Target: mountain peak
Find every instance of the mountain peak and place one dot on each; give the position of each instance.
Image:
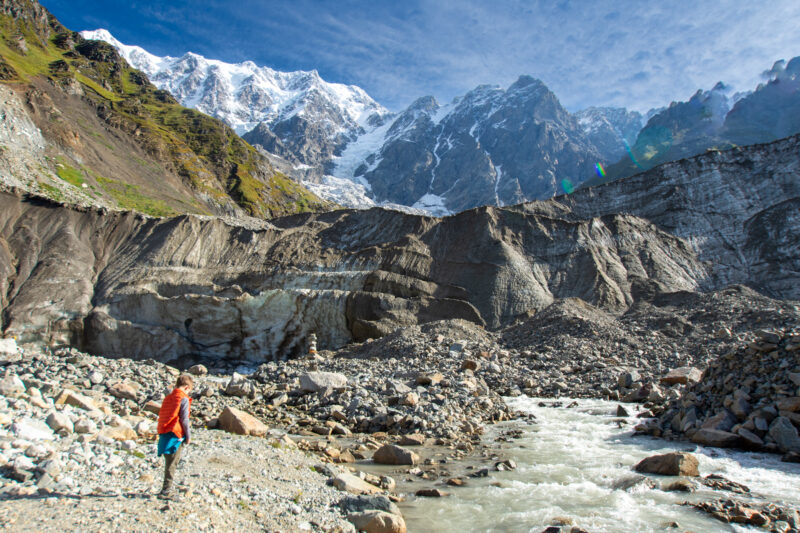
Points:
(526, 80)
(424, 103)
(246, 94)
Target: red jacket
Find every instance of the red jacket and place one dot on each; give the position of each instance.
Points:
(169, 414)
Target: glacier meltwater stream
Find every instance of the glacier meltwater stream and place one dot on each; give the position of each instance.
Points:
(574, 463)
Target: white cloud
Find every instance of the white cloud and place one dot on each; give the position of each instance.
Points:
(627, 53)
(633, 53)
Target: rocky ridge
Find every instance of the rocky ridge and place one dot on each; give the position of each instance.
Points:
(218, 288)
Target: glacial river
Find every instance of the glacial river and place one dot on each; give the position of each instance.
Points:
(568, 464)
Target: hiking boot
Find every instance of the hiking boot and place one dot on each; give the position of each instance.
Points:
(168, 496)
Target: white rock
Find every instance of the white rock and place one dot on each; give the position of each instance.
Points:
(85, 425)
(23, 463)
(31, 429)
(8, 347)
(59, 421)
(36, 451)
(317, 381)
(11, 386)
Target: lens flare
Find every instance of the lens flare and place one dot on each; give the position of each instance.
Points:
(630, 154)
(601, 172)
(567, 186)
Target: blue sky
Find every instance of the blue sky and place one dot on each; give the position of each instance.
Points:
(636, 54)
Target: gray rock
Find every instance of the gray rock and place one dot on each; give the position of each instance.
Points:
(59, 421)
(750, 440)
(722, 421)
(628, 378)
(390, 454)
(356, 504)
(239, 385)
(785, 434)
(716, 438)
(741, 408)
(319, 381)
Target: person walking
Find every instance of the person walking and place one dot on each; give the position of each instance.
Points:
(174, 430)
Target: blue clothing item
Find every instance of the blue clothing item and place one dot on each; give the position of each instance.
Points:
(168, 443)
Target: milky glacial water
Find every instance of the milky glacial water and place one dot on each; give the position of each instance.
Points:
(567, 465)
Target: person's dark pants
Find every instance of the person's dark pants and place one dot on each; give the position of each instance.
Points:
(170, 465)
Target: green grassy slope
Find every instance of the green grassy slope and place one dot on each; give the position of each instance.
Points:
(208, 157)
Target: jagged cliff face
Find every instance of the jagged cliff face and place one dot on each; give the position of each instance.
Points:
(123, 284)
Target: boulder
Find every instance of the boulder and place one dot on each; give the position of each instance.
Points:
(670, 464)
(198, 370)
(240, 386)
(716, 438)
(11, 385)
(70, 397)
(85, 425)
(390, 454)
(789, 404)
(621, 411)
(320, 381)
(431, 493)
(470, 364)
(415, 439)
(31, 429)
(354, 485)
(121, 432)
(426, 379)
(235, 421)
(8, 347)
(627, 379)
(410, 399)
(59, 421)
(152, 407)
(682, 376)
(722, 421)
(358, 504)
(749, 439)
(784, 434)
(123, 390)
(680, 485)
(377, 522)
(740, 407)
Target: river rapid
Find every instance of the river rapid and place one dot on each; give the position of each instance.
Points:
(573, 463)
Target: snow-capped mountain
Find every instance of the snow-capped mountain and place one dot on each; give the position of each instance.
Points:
(490, 147)
(309, 118)
(610, 129)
